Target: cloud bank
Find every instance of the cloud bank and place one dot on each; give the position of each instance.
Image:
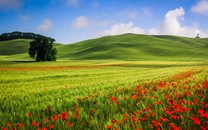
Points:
(81, 22)
(122, 28)
(201, 7)
(45, 26)
(172, 25)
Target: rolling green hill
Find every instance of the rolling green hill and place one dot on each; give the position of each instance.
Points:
(121, 47)
(12, 47)
(137, 47)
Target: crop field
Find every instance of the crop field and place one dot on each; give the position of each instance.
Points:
(103, 94)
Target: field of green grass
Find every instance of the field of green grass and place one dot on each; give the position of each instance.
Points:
(96, 94)
(128, 82)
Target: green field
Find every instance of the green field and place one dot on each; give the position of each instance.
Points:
(29, 87)
(114, 82)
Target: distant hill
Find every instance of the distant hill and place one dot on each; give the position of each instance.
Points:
(20, 35)
(123, 47)
(12, 47)
(17, 46)
(137, 47)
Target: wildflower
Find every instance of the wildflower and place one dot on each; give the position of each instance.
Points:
(78, 110)
(20, 125)
(113, 98)
(152, 114)
(64, 115)
(55, 117)
(34, 123)
(200, 112)
(110, 127)
(174, 117)
(3, 128)
(51, 127)
(69, 124)
(95, 102)
(29, 114)
(83, 123)
(9, 124)
(155, 123)
(114, 121)
(162, 119)
(195, 120)
(173, 127)
(186, 109)
(126, 119)
(76, 115)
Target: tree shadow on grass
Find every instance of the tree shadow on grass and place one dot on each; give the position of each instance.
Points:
(18, 61)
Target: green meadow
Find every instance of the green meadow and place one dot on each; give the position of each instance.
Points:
(116, 82)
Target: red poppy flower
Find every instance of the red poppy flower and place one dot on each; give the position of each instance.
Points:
(174, 117)
(110, 127)
(34, 123)
(69, 124)
(29, 114)
(196, 120)
(155, 123)
(173, 127)
(162, 119)
(51, 127)
(9, 124)
(126, 119)
(114, 121)
(55, 117)
(63, 115)
(20, 125)
(112, 98)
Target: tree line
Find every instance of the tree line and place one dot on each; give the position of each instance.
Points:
(21, 35)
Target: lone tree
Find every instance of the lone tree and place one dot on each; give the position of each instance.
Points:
(41, 49)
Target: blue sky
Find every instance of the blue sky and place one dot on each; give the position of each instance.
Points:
(71, 21)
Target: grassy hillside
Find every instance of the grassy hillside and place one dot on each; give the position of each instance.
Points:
(16, 49)
(137, 47)
(12, 47)
(121, 47)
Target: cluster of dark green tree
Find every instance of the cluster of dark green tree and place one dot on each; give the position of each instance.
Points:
(20, 35)
(41, 49)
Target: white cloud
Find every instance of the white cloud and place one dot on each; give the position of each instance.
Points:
(81, 22)
(74, 3)
(172, 25)
(45, 26)
(24, 17)
(10, 4)
(201, 7)
(122, 28)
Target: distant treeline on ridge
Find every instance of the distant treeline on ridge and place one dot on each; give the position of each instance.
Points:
(21, 35)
